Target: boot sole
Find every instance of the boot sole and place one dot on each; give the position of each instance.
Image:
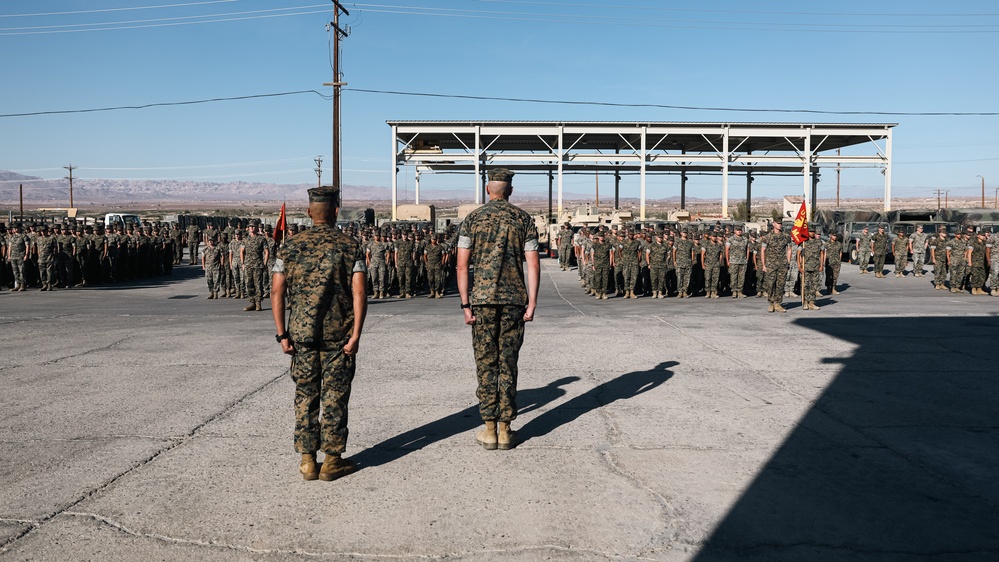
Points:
(513, 442)
(487, 446)
(339, 473)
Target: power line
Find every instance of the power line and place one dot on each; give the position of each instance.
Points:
(682, 107)
(106, 10)
(167, 104)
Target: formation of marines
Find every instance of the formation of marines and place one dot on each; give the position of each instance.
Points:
(662, 263)
(63, 256)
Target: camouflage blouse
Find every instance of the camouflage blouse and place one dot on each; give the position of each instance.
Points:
(498, 235)
(318, 265)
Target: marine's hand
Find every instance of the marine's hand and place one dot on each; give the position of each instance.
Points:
(529, 314)
(287, 347)
(352, 344)
(469, 318)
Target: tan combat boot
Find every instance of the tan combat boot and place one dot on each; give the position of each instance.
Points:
(210, 296)
(603, 296)
(256, 306)
(834, 291)
(335, 467)
(250, 307)
(770, 307)
(308, 468)
(779, 308)
(506, 438)
(487, 437)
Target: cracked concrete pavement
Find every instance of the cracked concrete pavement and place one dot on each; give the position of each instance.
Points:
(144, 422)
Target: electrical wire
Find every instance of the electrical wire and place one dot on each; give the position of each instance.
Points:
(168, 104)
(124, 9)
(681, 107)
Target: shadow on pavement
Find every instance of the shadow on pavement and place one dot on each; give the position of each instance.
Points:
(465, 420)
(623, 387)
(897, 459)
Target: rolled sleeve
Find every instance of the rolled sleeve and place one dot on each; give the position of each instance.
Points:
(278, 266)
(465, 242)
(360, 267)
(531, 245)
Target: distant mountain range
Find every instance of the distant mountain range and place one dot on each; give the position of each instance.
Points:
(96, 191)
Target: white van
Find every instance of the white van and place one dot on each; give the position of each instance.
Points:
(126, 221)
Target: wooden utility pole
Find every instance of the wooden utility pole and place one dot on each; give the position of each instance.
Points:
(839, 168)
(338, 33)
(20, 195)
(939, 193)
(983, 191)
(70, 178)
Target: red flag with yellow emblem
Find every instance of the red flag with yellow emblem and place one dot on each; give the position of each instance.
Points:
(799, 233)
(281, 228)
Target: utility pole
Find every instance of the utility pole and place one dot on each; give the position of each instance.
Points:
(20, 195)
(983, 190)
(319, 169)
(70, 178)
(338, 33)
(946, 204)
(596, 175)
(939, 192)
(997, 198)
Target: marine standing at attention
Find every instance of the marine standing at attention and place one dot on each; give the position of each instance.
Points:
(323, 273)
(498, 238)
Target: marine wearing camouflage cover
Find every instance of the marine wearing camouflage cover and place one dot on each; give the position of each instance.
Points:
(317, 265)
(976, 256)
(774, 248)
(629, 250)
(938, 255)
(917, 247)
(658, 254)
(864, 244)
(711, 253)
(810, 262)
(497, 236)
(879, 242)
(900, 251)
(254, 262)
(834, 261)
(683, 258)
(957, 262)
(736, 248)
(404, 265)
(212, 259)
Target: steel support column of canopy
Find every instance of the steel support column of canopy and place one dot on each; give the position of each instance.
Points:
(725, 159)
(806, 166)
(416, 185)
(561, 162)
(641, 195)
(887, 171)
(395, 172)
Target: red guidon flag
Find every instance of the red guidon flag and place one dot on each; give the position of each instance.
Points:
(799, 233)
(281, 227)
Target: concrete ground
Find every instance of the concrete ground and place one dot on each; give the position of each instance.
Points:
(146, 423)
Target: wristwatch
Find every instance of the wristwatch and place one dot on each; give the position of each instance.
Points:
(466, 305)
(280, 337)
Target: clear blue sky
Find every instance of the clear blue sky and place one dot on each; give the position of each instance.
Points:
(892, 56)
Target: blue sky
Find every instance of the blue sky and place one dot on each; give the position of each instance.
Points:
(892, 56)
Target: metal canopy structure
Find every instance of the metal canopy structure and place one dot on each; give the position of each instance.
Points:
(557, 148)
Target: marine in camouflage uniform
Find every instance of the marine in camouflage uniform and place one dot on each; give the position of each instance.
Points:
(254, 257)
(993, 247)
(211, 263)
(193, 242)
(759, 274)
(976, 263)
(864, 242)
(917, 247)
(711, 256)
(498, 238)
(602, 260)
(564, 247)
(46, 247)
(17, 251)
(629, 250)
(237, 285)
(737, 257)
(657, 255)
(900, 252)
(938, 257)
(434, 257)
(404, 266)
(322, 271)
(377, 262)
(879, 246)
(957, 262)
(775, 249)
(834, 259)
(683, 258)
(811, 258)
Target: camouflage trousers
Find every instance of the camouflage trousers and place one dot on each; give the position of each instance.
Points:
(658, 278)
(994, 273)
(405, 272)
(833, 275)
(255, 283)
(236, 280)
(497, 335)
(737, 274)
(213, 275)
(683, 279)
(563, 255)
(879, 260)
(978, 276)
(761, 278)
(178, 252)
(711, 274)
(918, 258)
(17, 265)
(629, 273)
(791, 280)
(864, 258)
(599, 281)
(939, 272)
(379, 277)
(809, 285)
(322, 389)
(901, 260)
(435, 278)
(47, 272)
(958, 273)
(192, 251)
(773, 285)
